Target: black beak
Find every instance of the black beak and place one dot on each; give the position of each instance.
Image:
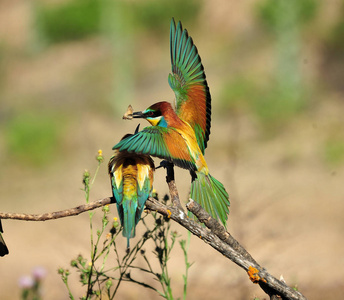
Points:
(137, 129)
(138, 114)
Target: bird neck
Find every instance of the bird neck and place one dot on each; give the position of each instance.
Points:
(171, 119)
(158, 121)
(162, 122)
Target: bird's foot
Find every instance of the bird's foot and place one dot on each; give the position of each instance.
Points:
(164, 164)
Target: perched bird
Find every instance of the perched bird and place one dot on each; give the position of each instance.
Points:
(131, 177)
(181, 135)
(3, 247)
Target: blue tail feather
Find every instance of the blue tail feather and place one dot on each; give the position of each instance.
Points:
(129, 214)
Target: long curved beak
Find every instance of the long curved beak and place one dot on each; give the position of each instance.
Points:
(138, 114)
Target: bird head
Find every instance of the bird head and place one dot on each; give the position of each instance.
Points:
(155, 114)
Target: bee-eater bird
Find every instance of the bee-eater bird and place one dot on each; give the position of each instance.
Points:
(3, 247)
(181, 135)
(131, 177)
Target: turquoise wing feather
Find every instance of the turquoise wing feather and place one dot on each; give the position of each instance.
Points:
(144, 191)
(188, 81)
(161, 142)
(117, 184)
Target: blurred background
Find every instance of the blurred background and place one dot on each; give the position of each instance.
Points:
(275, 68)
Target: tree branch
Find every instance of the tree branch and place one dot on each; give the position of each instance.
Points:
(223, 242)
(172, 184)
(57, 214)
(215, 235)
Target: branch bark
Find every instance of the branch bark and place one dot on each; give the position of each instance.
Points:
(213, 234)
(57, 214)
(222, 241)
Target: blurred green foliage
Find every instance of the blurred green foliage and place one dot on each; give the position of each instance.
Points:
(153, 14)
(333, 54)
(237, 95)
(285, 95)
(336, 40)
(121, 22)
(274, 13)
(272, 105)
(77, 19)
(71, 20)
(32, 138)
(333, 151)
(275, 107)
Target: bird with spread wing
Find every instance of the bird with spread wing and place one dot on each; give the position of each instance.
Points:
(180, 135)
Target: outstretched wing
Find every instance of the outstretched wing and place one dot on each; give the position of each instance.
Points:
(188, 81)
(165, 143)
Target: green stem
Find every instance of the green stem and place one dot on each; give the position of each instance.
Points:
(187, 265)
(65, 280)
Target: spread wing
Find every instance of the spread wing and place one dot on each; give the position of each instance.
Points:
(165, 143)
(188, 81)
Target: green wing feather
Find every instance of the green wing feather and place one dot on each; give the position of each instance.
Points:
(143, 193)
(117, 191)
(161, 142)
(188, 81)
(142, 196)
(211, 195)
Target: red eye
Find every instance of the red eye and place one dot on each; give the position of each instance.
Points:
(151, 113)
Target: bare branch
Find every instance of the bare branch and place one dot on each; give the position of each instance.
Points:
(215, 235)
(272, 286)
(172, 184)
(57, 214)
(224, 243)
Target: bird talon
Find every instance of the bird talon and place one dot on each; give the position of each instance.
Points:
(163, 164)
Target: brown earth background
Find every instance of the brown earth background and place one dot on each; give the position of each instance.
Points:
(282, 164)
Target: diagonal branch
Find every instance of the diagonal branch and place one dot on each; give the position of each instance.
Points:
(172, 184)
(272, 286)
(224, 243)
(215, 235)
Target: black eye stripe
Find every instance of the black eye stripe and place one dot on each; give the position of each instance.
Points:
(153, 114)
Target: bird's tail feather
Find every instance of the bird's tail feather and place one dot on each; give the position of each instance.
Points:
(211, 195)
(128, 215)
